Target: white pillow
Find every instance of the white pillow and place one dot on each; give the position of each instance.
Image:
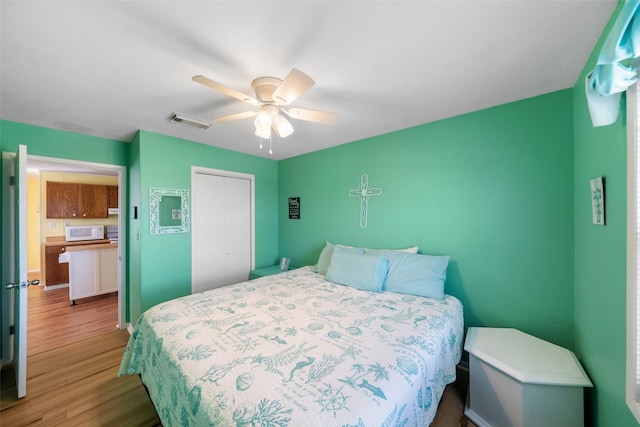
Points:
(411, 250)
(327, 252)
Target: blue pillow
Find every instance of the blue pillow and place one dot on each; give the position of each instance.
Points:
(422, 275)
(327, 252)
(361, 271)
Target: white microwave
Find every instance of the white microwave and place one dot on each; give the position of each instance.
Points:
(84, 232)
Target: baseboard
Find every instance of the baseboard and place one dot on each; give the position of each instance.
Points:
(475, 418)
(130, 328)
(52, 287)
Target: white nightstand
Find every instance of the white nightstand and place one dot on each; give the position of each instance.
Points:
(516, 379)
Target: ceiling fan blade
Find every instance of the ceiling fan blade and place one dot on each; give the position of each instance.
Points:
(312, 115)
(295, 84)
(237, 116)
(224, 89)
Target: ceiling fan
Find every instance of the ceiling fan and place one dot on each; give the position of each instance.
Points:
(271, 96)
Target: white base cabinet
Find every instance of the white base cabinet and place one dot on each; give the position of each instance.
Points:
(92, 271)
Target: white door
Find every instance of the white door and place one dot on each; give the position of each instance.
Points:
(238, 236)
(18, 211)
(222, 229)
(208, 225)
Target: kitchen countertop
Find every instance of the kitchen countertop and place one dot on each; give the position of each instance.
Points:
(59, 241)
(98, 244)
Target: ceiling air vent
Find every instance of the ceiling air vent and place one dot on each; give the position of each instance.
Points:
(189, 121)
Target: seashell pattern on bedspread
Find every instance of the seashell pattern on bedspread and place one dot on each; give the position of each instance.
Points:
(293, 349)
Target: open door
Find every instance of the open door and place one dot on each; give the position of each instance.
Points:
(18, 211)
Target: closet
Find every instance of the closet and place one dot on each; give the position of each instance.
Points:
(222, 228)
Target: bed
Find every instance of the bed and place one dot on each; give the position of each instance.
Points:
(295, 349)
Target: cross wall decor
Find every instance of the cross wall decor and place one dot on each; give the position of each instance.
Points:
(364, 192)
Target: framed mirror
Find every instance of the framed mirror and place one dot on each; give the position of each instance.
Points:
(168, 210)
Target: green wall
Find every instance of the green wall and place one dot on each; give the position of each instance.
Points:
(163, 270)
(492, 189)
(61, 144)
(600, 260)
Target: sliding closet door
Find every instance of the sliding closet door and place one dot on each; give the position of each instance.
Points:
(222, 227)
(208, 232)
(238, 238)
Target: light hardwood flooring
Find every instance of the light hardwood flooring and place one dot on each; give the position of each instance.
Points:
(53, 322)
(73, 358)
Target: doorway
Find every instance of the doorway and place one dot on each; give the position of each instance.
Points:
(89, 313)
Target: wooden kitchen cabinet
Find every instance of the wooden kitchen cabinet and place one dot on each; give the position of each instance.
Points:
(112, 196)
(73, 200)
(93, 201)
(55, 272)
(63, 199)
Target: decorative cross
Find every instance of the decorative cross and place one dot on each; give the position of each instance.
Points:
(364, 192)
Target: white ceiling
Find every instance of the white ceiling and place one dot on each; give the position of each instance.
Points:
(109, 68)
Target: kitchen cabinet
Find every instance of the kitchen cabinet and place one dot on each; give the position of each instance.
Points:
(63, 199)
(93, 201)
(112, 196)
(73, 200)
(93, 270)
(55, 273)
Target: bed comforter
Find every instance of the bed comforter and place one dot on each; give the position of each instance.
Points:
(296, 350)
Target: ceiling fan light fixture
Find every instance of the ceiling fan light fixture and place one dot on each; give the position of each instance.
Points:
(283, 127)
(263, 119)
(263, 133)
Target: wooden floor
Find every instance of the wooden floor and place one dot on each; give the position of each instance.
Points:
(73, 358)
(53, 322)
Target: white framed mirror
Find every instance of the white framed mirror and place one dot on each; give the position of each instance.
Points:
(168, 210)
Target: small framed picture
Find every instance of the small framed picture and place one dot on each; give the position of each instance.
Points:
(294, 207)
(597, 200)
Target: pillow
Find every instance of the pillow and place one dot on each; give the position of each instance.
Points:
(325, 256)
(411, 250)
(360, 271)
(422, 275)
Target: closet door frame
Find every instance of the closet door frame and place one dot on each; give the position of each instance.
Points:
(227, 174)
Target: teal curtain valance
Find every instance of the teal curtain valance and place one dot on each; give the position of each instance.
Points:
(613, 74)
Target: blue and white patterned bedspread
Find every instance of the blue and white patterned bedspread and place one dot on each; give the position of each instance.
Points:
(296, 350)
